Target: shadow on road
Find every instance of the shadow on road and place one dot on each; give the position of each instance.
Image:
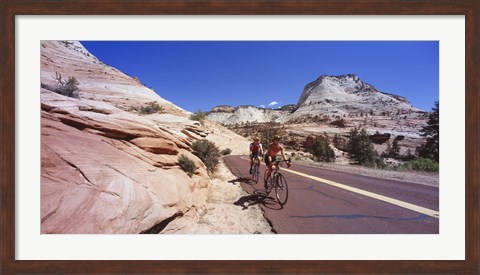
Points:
(246, 180)
(256, 199)
(247, 201)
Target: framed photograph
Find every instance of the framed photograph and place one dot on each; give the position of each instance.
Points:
(47, 228)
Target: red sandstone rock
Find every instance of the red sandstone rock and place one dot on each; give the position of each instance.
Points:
(106, 168)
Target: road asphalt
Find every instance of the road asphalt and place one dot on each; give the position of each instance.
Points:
(332, 202)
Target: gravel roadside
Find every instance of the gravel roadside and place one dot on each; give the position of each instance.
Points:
(223, 212)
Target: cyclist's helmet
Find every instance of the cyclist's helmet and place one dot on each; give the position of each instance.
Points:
(276, 137)
(256, 139)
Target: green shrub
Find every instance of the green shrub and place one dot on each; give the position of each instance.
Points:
(360, 148)
(68, 87)
(402, 167)
(321, 150)
(208, 153)
(187, 165)
(226, 151)
(408, 156)
(380, 164)
(424, 164)
(198, 116)
(150, 108)
(431, 131)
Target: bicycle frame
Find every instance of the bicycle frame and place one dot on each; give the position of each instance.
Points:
(256, 169)
(273, 182)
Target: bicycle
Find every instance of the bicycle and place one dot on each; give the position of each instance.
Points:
(255, 170)
(278, 181)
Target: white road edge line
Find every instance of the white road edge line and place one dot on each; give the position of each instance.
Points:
(413, 207)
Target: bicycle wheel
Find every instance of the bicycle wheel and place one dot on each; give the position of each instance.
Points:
(269, 182)
(281, 189)
(255, 172)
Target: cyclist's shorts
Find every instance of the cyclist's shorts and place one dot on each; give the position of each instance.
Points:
(267, 162)
(254, 154)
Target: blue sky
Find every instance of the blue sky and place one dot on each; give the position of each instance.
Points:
(198, 75)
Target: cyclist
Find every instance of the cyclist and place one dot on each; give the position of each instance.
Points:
(256, 151)
(270, 156)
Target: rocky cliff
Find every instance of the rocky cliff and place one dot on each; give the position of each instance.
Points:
(347, 94)
(333, 105)
(227, 115)
(337, 96)
(107, 166)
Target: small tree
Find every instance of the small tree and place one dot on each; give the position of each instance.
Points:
(321, 150)
(336, 140)
(360, 147)
(386, 154)
(68, 87)
(394, 149)
(432, 131)
(208, 152)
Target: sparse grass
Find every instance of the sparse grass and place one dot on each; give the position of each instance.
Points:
(187, 165)
(420, 164)
(67, 87)
(150, 108)
(199, 116)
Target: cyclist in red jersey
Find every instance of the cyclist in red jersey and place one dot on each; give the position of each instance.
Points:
(255, 151)
(270, 156)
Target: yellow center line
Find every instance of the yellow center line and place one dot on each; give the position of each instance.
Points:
(413, 207)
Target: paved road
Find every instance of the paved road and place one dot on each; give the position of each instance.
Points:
(332, 202)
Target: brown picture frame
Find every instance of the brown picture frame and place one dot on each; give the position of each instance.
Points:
(11, 8)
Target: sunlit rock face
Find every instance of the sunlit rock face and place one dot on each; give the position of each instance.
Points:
(108, 167)
(347, 94)
(247, 114)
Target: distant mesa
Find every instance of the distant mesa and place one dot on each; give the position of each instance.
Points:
(338, 96)
(348, 95)
(290, 107)
(223, 108)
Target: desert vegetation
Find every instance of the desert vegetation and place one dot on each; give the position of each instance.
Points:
(187, 165)
(199, 116)
(208, 152)
(320, 149)
(150, 108)
(360, 148)
(67, 87)
(431, 131)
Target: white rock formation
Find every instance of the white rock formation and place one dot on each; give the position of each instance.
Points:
(347, 94)
(106, 168)
(245, 114)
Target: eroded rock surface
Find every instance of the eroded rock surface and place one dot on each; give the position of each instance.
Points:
(107, 168)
